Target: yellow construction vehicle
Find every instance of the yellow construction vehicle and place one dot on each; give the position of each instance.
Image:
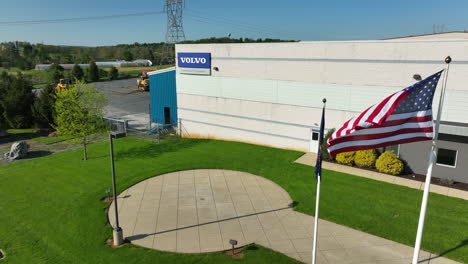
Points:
(62, 85)
(143, 81)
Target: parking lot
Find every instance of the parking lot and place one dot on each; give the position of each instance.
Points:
(126, 102)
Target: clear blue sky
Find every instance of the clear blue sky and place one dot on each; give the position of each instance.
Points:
(297, 19)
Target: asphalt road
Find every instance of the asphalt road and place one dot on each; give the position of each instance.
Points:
(126, 102)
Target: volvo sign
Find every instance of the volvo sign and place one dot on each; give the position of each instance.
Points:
(194, 63)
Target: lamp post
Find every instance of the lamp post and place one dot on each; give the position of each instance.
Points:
(233, 242)
(117, 233)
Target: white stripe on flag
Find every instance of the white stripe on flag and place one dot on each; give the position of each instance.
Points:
(373, 131)
(408, 115)
(378, 141)
(387, 107)
(390, 118)
(350, 126)
(352, 123)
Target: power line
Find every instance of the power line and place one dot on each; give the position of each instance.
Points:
(202, 20)
(239, 24)
(243, 28)
(268, 28)
(77, 19)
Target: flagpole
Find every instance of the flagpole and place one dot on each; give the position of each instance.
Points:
(317, 201)
(317, 198)
(432, 160)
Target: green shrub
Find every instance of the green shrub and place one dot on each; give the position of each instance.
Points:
(389, 163)
(77, 72)
(113, 73)
(16, 99)
(323, 148)
(43, 107)
(346, 158)
(93, 72)
(103, 73)
(365, 158)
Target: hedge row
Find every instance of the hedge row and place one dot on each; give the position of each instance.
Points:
(388, 162)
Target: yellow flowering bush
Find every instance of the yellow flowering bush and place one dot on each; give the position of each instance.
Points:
(389, 163)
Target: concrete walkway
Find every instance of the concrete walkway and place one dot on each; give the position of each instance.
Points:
(310, 158)
(200, 210)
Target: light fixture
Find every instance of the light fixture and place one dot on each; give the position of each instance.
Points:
(233, 242)
(417, 77)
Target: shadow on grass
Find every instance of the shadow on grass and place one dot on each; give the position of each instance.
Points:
(17, 137)
(31, 155)
(462, 244)
(154, 149)
(38, 154)
(252, 247)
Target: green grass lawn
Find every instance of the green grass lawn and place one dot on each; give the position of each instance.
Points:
(24, 134)
(50, 210)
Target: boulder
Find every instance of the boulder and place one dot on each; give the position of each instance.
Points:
(18, 150)
(53, 134)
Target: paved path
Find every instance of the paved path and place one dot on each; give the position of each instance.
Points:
(310, 158)
(200, 210)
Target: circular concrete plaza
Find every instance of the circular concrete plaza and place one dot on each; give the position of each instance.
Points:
(201, 210)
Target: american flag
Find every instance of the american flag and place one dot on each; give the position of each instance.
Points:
(403, 117)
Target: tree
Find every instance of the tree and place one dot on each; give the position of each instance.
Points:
(113, 73)
(56, 76)
(127, 55)
(323, 147)
(56, 67)
(15, 101)
(77, 72)
(79, 114)
(93, 73)
(84, 58)
(43, 107)
(3, 78)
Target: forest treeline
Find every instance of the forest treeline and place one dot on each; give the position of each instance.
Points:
(24, 55)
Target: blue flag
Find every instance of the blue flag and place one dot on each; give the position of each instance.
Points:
(318, 164)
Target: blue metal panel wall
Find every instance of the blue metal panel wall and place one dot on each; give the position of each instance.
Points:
(163, 94)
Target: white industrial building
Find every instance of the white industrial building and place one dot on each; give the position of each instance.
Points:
(271, 93)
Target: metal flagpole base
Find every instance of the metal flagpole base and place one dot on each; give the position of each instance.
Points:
(118, 236)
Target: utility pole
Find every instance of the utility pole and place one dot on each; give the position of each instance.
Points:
(175, 30)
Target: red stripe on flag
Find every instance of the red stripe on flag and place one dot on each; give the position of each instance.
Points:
(382, 135)
(338, 132)
(345, 125)
(389, 143)
(415, 119)
(377, 110)
(358, 120)
(394, 105)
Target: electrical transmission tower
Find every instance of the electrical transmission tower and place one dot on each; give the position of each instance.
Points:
(175, 30)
